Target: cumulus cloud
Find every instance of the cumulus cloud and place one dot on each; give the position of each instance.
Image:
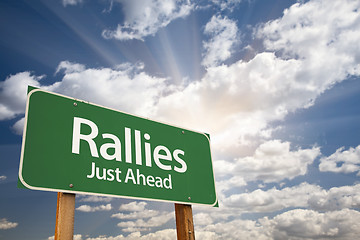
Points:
(309, 224)
(13, 93)
(71, 2)
(87, 208)
(144, 18)
(273, 199)
(335, 198)
(75, 237)
(93, 198)
(233, 182)
(5, 224)
(317, 33)
(223, 34)
(69, 67)
(342, 161)
(18, 127)
(133, 206)
(202, 219)
(302, 196)
(146, 213)
(235, 229)
(291, 225)
(124, 87)
(146, 224)
(294, 225)
(227, 4)
(140, 218)
(166, 234)
(272, 161)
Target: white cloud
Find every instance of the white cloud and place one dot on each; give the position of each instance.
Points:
(321, 35)
(236, 101)
(309, 224)
(166, 234)
(5, 224)
(202, 219)
(69, 67)
(272, 161)
(144, 18)
(235, 229)
(75, 237)
(13, 93)
(292, 225)
(231, 183)
(91, 198)
(146, 213)
(143, 219)
(302, 196)
(71, 2)
(227, 4)
(18, 127)
(224, 36)
(87, 208)
(2, 178)
(335, 198)
(342, 161)
(133, 206)
(144, 225)
(124, 88)
(273, 199)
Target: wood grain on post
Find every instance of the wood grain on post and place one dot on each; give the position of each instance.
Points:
(65, 211)
(184, 222)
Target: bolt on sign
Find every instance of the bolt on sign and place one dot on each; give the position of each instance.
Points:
(74, 146)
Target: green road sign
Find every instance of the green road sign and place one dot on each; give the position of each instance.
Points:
(78, 147)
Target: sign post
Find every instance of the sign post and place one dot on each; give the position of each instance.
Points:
(65, 211)
(184, 222)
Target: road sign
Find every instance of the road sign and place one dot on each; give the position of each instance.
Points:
(74, 146)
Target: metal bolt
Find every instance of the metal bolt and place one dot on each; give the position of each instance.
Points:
(189, 232)
(75, 104)
(71, 185)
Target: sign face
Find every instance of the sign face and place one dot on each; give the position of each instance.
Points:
(78, 147)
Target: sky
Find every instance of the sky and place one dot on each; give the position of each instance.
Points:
(275, 83)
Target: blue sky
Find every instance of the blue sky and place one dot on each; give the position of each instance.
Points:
(275, 83)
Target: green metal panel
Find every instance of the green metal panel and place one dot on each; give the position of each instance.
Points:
(183, 171)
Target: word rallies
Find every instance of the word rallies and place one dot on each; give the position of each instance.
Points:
(161, 155)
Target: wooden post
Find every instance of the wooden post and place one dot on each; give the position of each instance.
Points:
(184, 222)
(65, 211)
